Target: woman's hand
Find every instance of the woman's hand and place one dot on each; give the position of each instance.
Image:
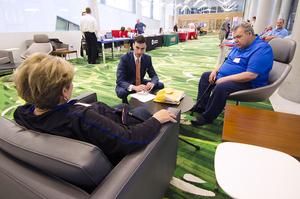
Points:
(164, 116)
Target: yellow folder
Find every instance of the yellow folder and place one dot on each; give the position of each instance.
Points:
(169, 95)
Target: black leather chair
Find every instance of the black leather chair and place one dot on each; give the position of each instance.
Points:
(39, 165)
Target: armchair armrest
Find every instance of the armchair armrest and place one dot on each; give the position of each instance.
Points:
(145, 173)
(87, 97)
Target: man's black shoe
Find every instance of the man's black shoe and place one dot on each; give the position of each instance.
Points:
(200, 121)
(96, 62)
(197, 109)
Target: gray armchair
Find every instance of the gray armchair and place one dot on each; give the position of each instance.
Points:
(283, 51)
(39, 165)
(41, 44)
(7, 64)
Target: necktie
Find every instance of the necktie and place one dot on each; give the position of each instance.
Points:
(138, 73)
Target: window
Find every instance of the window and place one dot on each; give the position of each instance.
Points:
(65, 25)
(121, 4)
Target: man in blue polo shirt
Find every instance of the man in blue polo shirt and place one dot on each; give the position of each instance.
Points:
(279, 32)
(248, 66)
(140, 27)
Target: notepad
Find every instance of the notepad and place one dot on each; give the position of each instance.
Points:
(143, 97)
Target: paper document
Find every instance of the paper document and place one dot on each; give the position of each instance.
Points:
(143, 97)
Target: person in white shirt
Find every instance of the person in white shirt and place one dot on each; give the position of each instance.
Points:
(89, 29)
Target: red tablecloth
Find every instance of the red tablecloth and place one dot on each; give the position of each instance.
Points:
(183, 36)
(192, 34)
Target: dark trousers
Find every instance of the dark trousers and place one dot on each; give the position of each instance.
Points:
(123, 93)
(214, 104)
(226, 35)
(91, 42)
(140, 112)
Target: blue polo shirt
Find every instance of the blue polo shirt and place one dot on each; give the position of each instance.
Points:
(279, 33)
(257, 58)
(139, 27)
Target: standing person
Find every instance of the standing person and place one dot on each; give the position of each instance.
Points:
(278, 32)
(128, 79)
(228, 30)
(223, 30)
(81, 50)
(140, 27)
(89, 29)
(248, 66)
(197, 28)
(175, 28)
(253, 21)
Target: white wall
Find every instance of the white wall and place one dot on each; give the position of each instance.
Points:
(38, 15)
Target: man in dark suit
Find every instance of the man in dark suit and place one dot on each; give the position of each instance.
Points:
(128, 81)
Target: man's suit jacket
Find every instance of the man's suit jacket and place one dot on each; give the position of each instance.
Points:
(126, 72)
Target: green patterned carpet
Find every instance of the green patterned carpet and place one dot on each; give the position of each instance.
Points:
(179, 67)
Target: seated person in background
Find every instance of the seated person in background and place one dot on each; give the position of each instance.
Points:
(265, 32)
(128, 79)
(160, 31)
(45, 82)
(123, 32)
(248, 66)
(129, 32)
(278, 32)
(201, 30)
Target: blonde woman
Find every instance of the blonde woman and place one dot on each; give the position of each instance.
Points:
(45, 82)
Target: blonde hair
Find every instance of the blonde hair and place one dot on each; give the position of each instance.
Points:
(40, 79)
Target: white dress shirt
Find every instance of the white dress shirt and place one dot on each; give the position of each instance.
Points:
(88, 24)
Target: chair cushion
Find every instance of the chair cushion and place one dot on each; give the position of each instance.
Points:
(40, 38)
(283, 49)
(79, 163)
(4, 60)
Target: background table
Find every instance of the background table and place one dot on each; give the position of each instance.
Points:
(192, 34)
(65, 52)
(112, 41)
(170, 39)
(185, 105)
(248, 172)
(153, 42)
(270, 129)
(183, 36)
